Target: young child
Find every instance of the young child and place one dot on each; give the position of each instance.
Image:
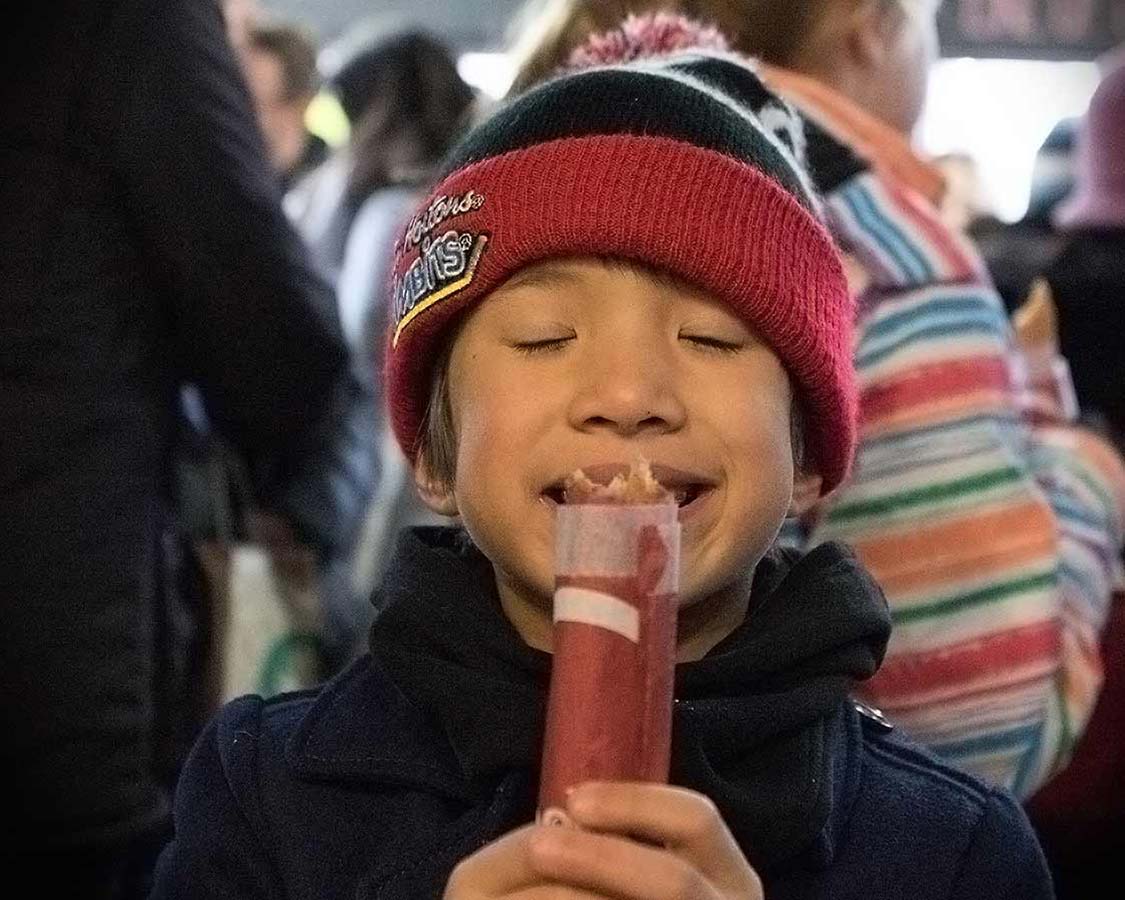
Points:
(626, 261)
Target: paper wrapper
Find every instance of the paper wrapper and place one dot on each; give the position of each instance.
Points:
(609, 713)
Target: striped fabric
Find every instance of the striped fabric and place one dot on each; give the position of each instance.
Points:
(995, 540)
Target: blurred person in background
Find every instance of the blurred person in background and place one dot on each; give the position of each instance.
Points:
(324, 613)
(408, 105)
(545, 32)
(280, 64)
(145, 247)
(996, 542)
(417, 107)
(1087, 278)
(1080, 815)
(406, 102)
(240, 16)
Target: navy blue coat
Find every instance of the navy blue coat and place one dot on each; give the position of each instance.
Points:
(360, 790)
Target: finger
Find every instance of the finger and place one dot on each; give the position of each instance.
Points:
(495, 870)
(671, 816)
(613, 866)
(681, 820)
(553, 892)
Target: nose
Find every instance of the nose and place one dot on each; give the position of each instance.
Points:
(627, 390)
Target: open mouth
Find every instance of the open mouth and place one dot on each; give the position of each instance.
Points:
(687, 488)
(688, 494)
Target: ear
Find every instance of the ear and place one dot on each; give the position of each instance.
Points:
(806, 492)
(435, 493)
(869, 33)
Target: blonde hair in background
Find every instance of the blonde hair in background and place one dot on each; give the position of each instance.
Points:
(551, 29)
(781, 32)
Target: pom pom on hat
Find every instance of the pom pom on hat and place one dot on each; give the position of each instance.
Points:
(639, 37)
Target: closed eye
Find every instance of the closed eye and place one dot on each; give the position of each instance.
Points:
(713, 344)
(548, 345)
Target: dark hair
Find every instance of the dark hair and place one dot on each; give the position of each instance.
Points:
(294, 50)
(407, 104)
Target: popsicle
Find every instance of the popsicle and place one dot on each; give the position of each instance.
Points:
(609, 710)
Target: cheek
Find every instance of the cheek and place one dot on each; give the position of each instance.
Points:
(498, 427)
(761, 451)
(762, 424)
(766, 470)
(490, 420)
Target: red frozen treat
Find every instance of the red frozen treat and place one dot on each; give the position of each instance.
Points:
(609, 713)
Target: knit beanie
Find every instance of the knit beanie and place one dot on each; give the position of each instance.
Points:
(1098, 200)
(684, 163)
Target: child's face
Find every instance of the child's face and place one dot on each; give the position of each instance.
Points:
(580, 364)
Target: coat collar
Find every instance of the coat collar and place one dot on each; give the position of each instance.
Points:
(451, 703)
(360, 730)
(394, 746)
(397, 748)
(888, 150)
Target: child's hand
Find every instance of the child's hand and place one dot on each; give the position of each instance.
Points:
(694, 857)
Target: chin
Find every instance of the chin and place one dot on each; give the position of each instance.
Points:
(699, 582)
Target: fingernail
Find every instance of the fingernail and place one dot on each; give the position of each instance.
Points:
(555, 817)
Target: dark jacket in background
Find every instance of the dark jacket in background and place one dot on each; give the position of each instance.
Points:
(143, 245)
(1080, 814)
(428, 748)
(1016, 253)
(1087, 280)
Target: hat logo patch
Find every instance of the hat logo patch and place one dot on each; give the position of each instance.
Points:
(445, 265)
(441, 209)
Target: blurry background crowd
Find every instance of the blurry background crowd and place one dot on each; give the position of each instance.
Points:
(262, 570)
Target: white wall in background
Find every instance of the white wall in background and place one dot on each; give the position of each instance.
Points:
(490, 73)
(999, 111)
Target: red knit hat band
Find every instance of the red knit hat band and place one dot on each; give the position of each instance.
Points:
(712, 220)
